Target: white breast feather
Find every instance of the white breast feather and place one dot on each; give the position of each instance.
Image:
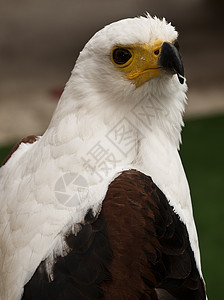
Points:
(32, 220)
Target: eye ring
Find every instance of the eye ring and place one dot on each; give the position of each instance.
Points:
(121, 56)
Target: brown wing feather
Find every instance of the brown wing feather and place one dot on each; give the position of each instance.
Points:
(136, 248)
(150, 244)
(27, 140)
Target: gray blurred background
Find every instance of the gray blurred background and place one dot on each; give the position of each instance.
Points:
(40, 41)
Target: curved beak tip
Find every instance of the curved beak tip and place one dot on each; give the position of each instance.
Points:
(181, 78)
(171, 61)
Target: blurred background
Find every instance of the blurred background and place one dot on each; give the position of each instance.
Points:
(39, 43)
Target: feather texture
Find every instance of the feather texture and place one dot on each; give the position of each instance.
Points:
(135, 247)
(102, 126)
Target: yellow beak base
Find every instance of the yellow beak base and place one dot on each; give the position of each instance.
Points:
(143, 65)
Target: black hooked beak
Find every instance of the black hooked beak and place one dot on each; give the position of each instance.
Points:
(171, 61)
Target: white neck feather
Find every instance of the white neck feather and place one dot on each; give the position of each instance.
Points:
(86, 107)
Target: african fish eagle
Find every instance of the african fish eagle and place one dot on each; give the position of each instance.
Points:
(99, 206)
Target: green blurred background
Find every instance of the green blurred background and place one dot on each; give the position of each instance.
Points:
(202, 153)
(39, 43)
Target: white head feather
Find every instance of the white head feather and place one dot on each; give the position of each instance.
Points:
(97, 98)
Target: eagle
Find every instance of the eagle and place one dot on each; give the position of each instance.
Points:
(99, 206)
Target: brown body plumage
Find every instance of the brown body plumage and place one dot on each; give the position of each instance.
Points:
(136, 248)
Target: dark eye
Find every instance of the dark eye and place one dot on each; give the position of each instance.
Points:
(176, 44)
(121, 56)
